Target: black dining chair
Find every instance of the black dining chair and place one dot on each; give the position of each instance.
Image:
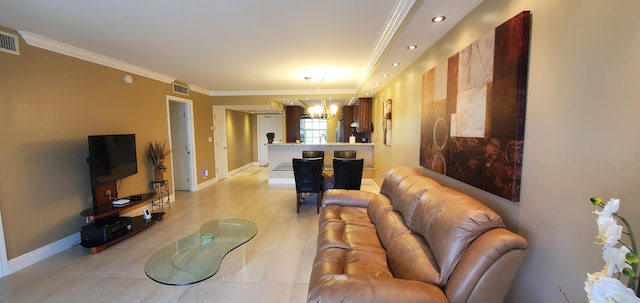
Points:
(313, 154)
(344, 154)
(307, 173)
(347, 173)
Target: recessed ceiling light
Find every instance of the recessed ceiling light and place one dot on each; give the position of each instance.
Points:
(372, 89)
(378, 83)
(410, 47)
(438, 19)
(395, 64)
(385, 75)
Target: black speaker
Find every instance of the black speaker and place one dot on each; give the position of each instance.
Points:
(100, 232)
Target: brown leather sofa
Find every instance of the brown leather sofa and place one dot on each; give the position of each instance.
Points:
(415, 241)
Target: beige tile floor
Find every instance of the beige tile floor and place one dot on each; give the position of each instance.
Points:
(277, 261)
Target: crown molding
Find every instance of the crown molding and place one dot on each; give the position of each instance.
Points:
(400, 12)
(281, 92)
(199, 89)
(82, 54)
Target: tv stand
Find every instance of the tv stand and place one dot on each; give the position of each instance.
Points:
(104, 210)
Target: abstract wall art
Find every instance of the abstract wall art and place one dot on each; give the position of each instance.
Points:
(473, 111)
(386, 122)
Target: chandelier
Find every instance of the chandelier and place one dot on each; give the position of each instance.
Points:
(322, 111)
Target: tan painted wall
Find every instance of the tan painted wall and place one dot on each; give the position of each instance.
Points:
(203, 123)
(580, 138)
(240, 143)
(50, 103)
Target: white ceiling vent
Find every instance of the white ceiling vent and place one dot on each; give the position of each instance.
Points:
(9, 43)
(180, 89)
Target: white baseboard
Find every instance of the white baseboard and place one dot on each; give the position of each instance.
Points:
(35, 256)
(206, 183)
(239, 169)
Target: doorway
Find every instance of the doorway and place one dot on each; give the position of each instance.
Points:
(220, 141)
(267, 124)
(181, 134)
(4, 263)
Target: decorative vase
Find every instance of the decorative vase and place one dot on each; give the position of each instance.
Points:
(158, 174)
(270, 137)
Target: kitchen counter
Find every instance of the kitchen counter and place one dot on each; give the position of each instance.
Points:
(275, 145)
(284, 152)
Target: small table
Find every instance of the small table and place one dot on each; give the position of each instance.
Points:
(161, 188)
(191, 260)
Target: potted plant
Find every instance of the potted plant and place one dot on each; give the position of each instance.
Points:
(157, 152)
(270, 137)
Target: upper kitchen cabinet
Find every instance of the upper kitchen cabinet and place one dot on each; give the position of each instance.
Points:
(293, 114)
(362, 115)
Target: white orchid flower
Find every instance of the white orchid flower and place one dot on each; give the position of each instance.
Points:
(609, 232)
(607, 289)
(616, 259)
(612, 207)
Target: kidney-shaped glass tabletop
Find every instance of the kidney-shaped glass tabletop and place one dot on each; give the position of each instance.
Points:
(198, 256)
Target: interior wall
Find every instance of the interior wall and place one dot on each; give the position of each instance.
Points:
(240, 143)
(203, 128)
(580, 133)
(50, 104)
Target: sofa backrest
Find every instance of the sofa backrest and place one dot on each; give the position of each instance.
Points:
(426, 227)
(450, 221)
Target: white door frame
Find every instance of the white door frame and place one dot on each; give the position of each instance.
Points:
(191, 169)
(4, 263)
(220, 142)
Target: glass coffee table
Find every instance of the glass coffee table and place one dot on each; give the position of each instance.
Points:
(198, 256)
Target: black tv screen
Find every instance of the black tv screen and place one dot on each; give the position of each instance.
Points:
(112, 157)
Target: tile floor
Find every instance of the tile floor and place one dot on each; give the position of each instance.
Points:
(277, 261)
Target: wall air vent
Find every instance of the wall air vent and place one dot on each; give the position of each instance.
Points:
(9, 43)
(180, 89)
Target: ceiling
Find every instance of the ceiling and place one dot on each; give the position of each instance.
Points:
(249, 52)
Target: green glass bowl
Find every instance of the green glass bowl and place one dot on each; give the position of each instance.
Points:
(206, 239)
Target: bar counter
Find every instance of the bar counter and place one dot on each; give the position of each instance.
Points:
(284, 152)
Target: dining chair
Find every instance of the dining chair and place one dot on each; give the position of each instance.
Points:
(313, 154)
(347, 173)
(307, 173)
(344, 154)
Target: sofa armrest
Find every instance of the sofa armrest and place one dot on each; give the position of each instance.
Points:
(347, 197)
(487, 268)
(360, 288)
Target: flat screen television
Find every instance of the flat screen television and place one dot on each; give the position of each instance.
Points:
(112, 157)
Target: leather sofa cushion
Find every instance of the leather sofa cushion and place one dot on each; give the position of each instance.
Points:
(450, 221)
(367, 263)
(362, 238)
(347, 197)
(404, 186)
(390, 226)
(378, 207)
(359, 288)
(348, 215)
(410, 258)
(393, 178)
(330, 236)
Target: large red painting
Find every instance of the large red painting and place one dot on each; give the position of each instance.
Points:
(473, 111)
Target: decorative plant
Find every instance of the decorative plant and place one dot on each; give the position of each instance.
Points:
(157, 152)
(619, 257)
(270, 137)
